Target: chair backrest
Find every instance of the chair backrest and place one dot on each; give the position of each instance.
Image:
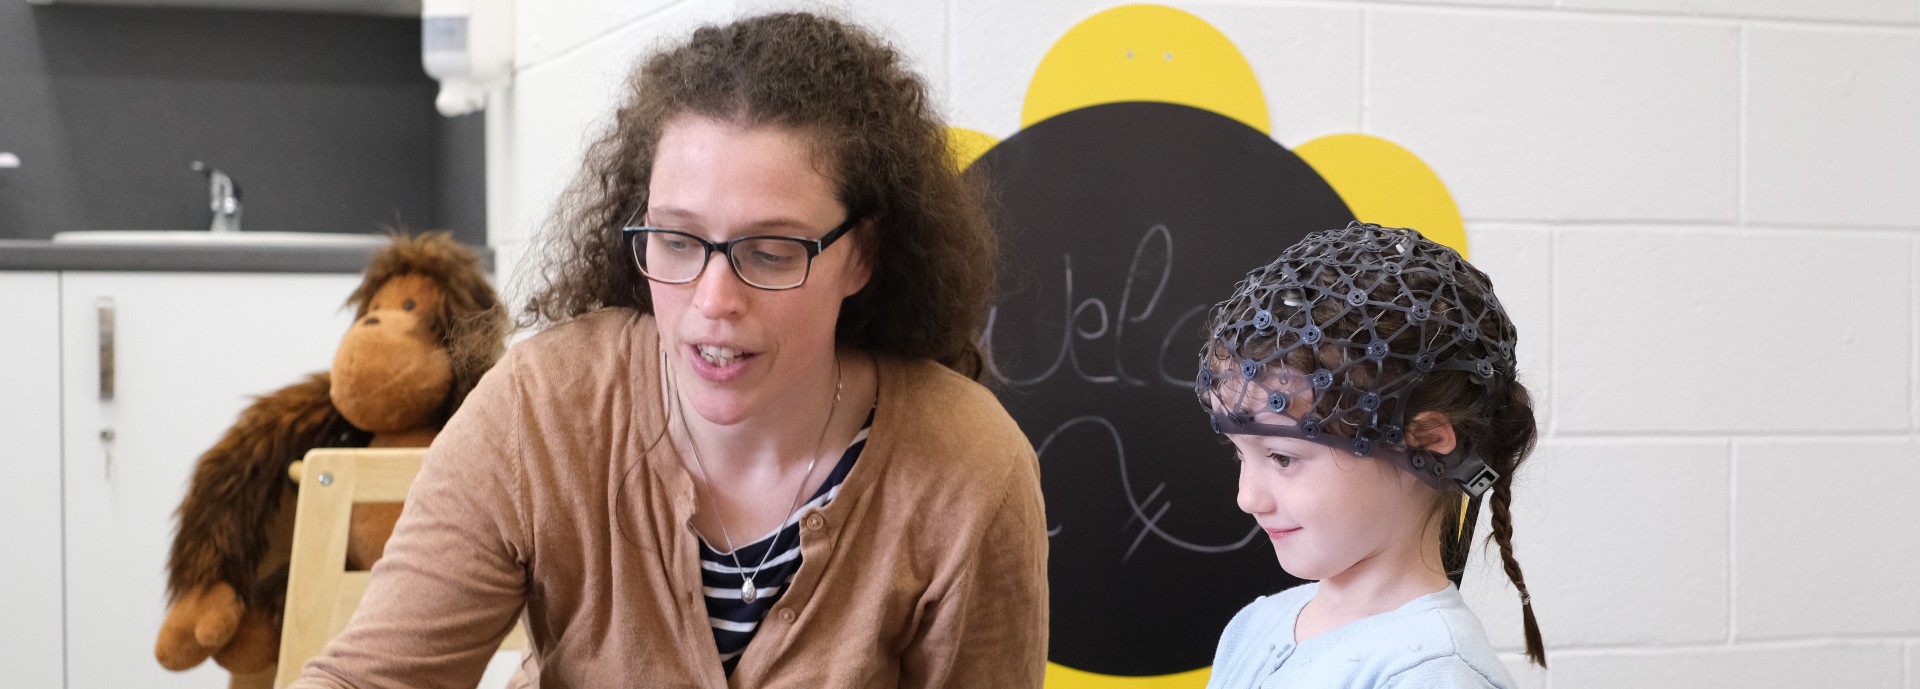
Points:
(321, 593)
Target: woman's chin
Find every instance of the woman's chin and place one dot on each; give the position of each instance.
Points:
(721, 409)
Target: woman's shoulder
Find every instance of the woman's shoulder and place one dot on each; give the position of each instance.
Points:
(596, 334)
(930, 408)
(582, 349)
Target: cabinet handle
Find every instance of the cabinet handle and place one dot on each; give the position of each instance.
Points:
(105, 307)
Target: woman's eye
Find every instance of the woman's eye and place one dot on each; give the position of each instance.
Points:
(771, 259)
(1280, 459)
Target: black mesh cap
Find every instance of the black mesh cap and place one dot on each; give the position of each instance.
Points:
(1337, 332)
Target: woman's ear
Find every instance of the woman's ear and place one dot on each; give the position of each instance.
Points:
(859, 270)
(1432, 431)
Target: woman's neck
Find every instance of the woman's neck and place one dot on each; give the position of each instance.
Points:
(1377, 584)
(808, 423)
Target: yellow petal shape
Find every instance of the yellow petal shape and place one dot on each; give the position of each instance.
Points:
(1387, 185)
(967, 145)
(1063, 677)
(1145, 53)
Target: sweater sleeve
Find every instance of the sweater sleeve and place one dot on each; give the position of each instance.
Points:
(989, 629)
(1443, 672)
(453, 578)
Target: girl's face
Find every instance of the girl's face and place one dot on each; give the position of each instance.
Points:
(736, 350)
(1328, 511)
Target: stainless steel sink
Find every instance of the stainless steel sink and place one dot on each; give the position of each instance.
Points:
(205, 238)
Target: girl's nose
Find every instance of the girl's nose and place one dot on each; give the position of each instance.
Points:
(1252, 497)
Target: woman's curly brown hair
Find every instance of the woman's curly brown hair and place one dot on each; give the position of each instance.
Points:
(874, 132)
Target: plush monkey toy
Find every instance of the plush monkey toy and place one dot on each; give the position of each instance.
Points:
(426, 326)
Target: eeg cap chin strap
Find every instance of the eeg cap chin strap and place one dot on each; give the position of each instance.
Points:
(1395, 291)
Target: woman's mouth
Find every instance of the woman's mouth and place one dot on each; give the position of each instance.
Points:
(1277, 534)
(718, 363)
(721, 357)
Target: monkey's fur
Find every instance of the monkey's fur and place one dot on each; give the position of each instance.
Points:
(426, 326)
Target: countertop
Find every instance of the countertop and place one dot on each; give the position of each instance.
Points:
(40, 255)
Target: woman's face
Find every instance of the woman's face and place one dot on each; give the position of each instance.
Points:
(736, 350)
(1327, 511)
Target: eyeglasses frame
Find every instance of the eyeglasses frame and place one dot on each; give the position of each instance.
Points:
(814, 248)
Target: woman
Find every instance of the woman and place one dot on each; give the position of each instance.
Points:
(751, 451)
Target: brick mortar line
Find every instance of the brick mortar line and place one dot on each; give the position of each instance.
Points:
(1733, 550)
(1677, 224)
(1810, 643)
(1705, 437)
(1616, 16)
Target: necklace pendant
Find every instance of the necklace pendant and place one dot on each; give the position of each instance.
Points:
(747, 592)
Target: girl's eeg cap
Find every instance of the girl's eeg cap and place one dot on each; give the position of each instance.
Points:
(1439, 313)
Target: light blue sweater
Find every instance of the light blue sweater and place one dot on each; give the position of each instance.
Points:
(1432, 641)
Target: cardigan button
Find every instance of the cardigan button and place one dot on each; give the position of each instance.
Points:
(815, 522)
(786, 614)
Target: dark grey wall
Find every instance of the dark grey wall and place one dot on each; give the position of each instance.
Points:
(325, 121)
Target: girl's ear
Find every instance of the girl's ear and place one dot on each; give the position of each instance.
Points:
(1431, 431)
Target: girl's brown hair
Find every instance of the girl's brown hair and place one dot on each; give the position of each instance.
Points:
(874, 133)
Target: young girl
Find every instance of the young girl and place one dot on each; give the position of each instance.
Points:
(1365, 379)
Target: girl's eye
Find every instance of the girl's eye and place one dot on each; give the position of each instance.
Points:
(1280, 459)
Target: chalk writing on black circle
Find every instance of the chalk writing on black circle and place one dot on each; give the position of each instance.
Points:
(1149, 555)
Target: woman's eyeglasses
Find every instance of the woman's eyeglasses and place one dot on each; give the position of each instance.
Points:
(764, 261)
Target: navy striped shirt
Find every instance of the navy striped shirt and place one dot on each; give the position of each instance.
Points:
(734, 620)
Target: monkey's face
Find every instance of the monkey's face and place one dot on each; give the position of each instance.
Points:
(391, 373)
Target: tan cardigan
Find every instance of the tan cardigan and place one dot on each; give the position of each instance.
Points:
(553, 488)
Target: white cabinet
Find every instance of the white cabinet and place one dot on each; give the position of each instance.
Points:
(30, 644)
(189, 352)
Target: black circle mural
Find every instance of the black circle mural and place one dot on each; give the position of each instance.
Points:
(1123, 223)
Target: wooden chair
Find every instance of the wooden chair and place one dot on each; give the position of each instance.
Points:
(321, 593)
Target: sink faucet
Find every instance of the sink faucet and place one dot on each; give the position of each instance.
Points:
(223, 198)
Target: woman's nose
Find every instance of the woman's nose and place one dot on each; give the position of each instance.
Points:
(719, 293)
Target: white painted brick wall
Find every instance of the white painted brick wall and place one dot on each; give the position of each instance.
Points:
(1880, 11)
(1831, 138)
(1827, 538)
(1701, 213)
(1701, 330)
(1534, 116)
(1855, 665)
(1653, 548)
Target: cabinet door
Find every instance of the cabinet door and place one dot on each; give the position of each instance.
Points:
(30, 639)
(189, 351)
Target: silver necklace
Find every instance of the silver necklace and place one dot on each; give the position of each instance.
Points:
(748, 592)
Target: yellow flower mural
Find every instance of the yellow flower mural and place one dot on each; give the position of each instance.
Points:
(1143, 182)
